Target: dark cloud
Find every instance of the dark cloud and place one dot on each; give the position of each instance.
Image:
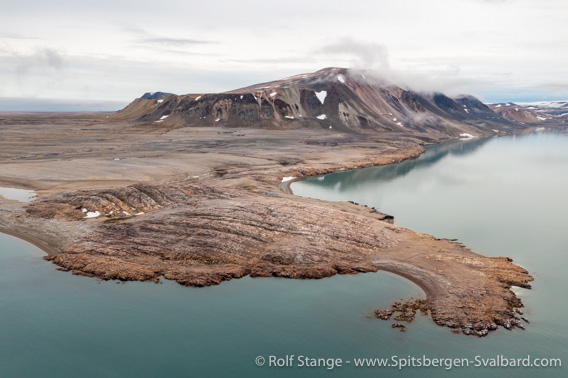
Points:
(552, 86)
(145, 37)
(43, 60)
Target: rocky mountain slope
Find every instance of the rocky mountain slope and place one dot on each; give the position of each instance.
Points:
(342, 99)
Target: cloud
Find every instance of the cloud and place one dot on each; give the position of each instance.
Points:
(447, 80)
(16, 36)
(374, 58)
(552, 86)
(369, 56)
(147, 38)
(177, 42)
(285, 60)
(47, 60)
(492, 1)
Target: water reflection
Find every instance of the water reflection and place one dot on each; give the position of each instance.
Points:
(433, 155)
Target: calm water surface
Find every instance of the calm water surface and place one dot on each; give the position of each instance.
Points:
(21, 195)
(505, 196)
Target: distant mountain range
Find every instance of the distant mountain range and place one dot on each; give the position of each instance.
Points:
(533, 112)
(341, 99)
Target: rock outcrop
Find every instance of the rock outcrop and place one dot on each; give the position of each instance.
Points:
(200, 236)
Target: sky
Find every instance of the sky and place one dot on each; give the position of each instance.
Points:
(100, 55)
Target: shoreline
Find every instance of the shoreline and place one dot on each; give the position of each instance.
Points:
(44, 246)
(371, 163)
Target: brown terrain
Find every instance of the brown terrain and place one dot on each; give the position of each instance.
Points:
(206, 203)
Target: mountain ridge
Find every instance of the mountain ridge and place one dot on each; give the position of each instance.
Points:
(341, 99)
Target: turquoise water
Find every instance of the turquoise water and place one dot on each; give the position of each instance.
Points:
(501, 197)
(54, 324)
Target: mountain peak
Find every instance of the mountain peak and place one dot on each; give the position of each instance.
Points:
(156, 95)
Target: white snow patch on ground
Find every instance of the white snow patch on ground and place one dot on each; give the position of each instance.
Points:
(218, 119)
(160, 101)
(496, 130)
(517, 109)
(162, 118)
(341, 79)
(321, 95)
(498, 106)
(116, 159)
(84, 210)
(321, 116)
(541, 118)
(93, 214)
(284, 179)
(330, 127)
(140, 213)
(289, 117)
(197, 98)
(242, 97)
(273, 94)
(400, 124)
(540, 129)
(466, 136)
(394, 119)
(125, 212)
(467, 111)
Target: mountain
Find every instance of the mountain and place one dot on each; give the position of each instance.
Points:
(156, 95)
(332, 98)
(533, 112)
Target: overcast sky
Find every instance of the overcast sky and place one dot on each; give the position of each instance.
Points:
(91, 52)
